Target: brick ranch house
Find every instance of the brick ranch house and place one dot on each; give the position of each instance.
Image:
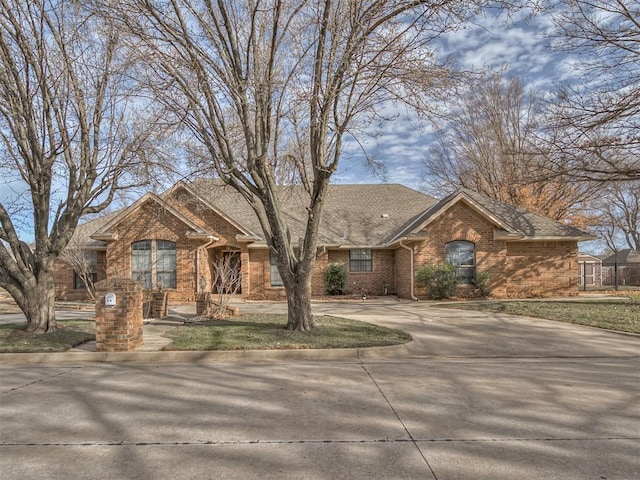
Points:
(382, 233)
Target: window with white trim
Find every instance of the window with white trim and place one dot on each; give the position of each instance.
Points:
(361, 260)
(462, 255)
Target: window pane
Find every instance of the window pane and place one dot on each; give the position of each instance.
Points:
(166, 245)
(92, 259)
(274, 274)
(462, 255)
(166, 264)
(141, 245)
(166, 280)
(141, 262)
(143, 277)
(361, 260)
(166, 260)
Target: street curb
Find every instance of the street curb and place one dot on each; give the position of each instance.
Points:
(355, 354)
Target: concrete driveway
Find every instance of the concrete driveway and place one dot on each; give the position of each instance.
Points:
(481, 396)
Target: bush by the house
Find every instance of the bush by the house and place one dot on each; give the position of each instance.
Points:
(336, 278)
(481, 282)
(440, 280)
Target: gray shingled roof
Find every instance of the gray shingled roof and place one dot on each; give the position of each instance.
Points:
(524, 222)
(360, 215)
(353, 215)
(626, 256)
(515, 220)
(83, 232)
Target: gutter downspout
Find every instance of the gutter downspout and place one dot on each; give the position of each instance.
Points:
(411, 284)
(212, 239)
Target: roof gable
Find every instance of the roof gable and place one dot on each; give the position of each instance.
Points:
(513, 223)
(106, 232)
(198, 195)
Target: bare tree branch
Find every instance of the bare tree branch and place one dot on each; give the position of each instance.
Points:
(596, 126)
(271, 89)
(490, 143)
(68, 125)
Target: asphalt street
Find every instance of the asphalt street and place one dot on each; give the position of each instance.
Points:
(478, 396)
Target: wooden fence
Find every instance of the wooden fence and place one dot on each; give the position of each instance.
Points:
(628, 275)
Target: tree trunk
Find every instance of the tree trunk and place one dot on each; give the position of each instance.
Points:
(39, 304)
(299, 304)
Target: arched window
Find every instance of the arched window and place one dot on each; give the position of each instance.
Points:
(462, 255)
(153, 262)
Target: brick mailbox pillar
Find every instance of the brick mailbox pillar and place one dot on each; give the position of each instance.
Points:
(118, 315)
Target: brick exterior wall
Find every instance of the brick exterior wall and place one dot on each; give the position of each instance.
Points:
(64, 279)
(515, 268)
(260, 277)
(381, 278)
(153, 223)
(403, 272)
(461, 222)
(541, 269)
(223, 230)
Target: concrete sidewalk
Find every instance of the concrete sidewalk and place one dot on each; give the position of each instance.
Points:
(153, 331)
(437, 333)
(476, 396)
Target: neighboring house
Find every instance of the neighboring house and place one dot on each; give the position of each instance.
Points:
(626, 263)
(382, 233)
(590, 271)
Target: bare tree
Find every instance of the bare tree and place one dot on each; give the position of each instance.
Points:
(66, 138)
(619, 220)
(490, 143)
(597, 123)
(272, 89)
(83, 262)
(227, 280)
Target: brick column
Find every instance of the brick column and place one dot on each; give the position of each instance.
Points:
(119, 327)
(159, 302)
(201, 303)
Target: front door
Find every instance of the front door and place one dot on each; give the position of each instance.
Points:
(234, 278)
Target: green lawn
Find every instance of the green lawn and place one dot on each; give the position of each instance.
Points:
(613, 314)
(70, 333)
(267, 332)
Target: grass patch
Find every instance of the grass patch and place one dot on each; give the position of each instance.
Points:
(70, 333)
(267, 332)
(614, 314)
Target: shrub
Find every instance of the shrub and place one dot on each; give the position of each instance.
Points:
(335, 278)
(440, 280)
(481, 282)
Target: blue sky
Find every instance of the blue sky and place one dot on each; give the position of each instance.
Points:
(520, 46)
